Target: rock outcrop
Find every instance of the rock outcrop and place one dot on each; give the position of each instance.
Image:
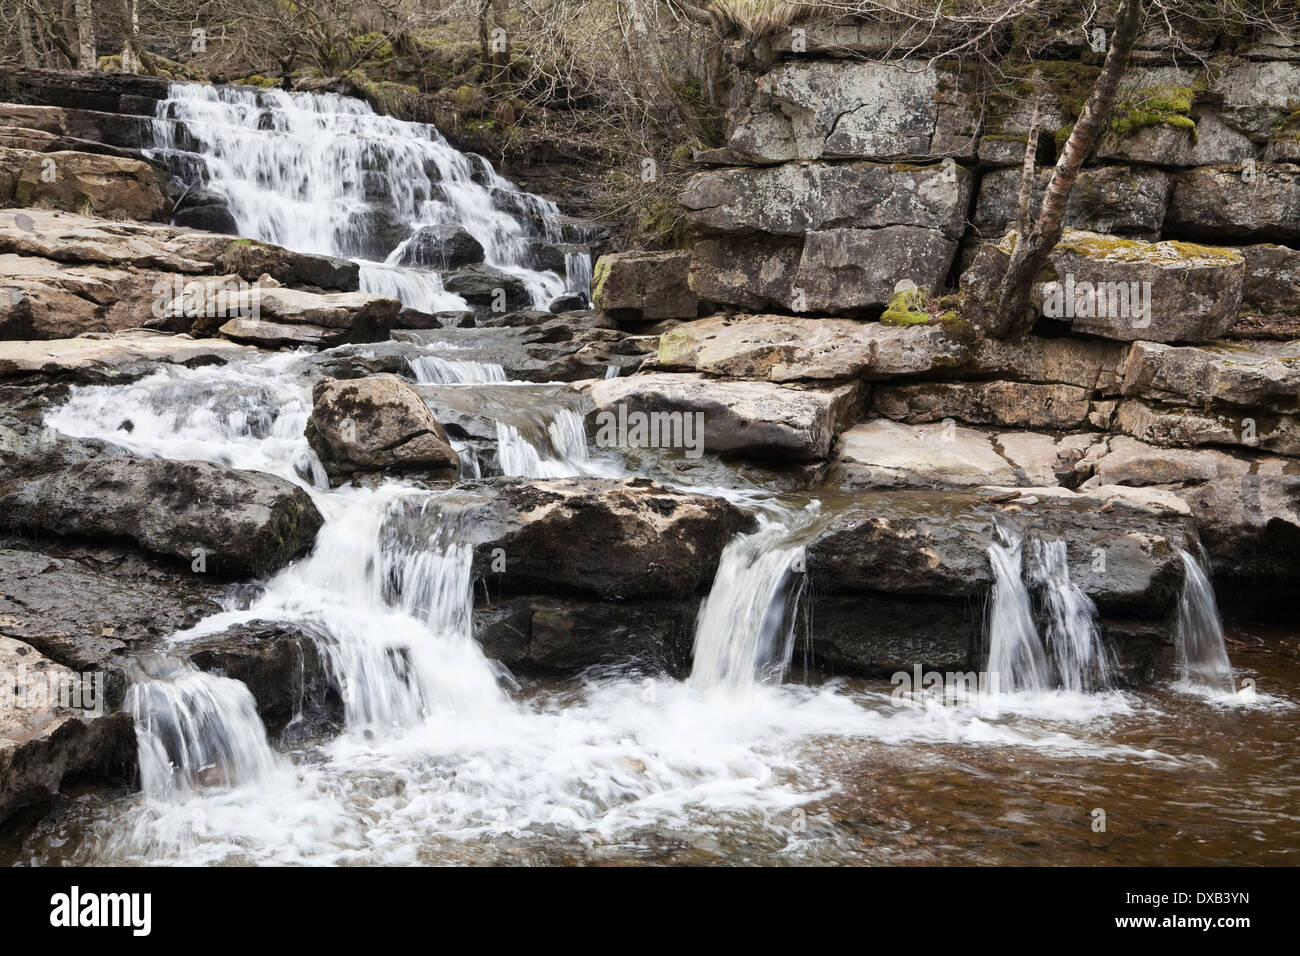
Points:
(226, 522)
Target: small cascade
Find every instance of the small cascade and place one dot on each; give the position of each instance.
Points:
(432, 370)
(1015, 653)
(1202, 651)
(417, 289)
(746, 627)
(577, 268)
(1082, 660)
(195, 730)
(387, 591)
(558, 450)
(325, 174)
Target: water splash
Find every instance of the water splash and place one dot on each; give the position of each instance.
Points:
(1202, 651)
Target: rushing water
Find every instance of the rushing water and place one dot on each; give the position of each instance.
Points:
(445, 756)
(1081, 659)
(1202, 653)
(324, 173)
(1015, 653)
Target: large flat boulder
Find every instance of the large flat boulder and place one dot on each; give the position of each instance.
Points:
(108, 185)
(779, 348)
(43, 299)
(747, 419)
(94, 359)
(1125, 289)
(376, 424)
(885, 454)
(797, 198)
(818, 109)
(75, 239)
(228, 522)
(1261, 374)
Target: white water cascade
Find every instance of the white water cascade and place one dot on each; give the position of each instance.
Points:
(325, 174)
(746, 628)
(1202, 651)
(1015, 653)
(1081, 658)
(194, 729)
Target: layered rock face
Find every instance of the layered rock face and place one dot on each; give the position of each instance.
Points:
(849, 168)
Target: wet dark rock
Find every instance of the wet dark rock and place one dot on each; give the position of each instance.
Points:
(1251, 528)
(285, 669)
(935, 544)
(236, 522)
(441, 247)
(47, 743)
(569, 302)
(85, 607)
(605, 538)
(562, 635)
(488, 289)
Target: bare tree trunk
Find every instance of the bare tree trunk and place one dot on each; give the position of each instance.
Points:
(27, 51)
(1012, 315)
(501, 49)
(131, 53)
(85, 12)
(484, 47)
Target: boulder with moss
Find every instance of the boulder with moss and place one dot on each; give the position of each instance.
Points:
(1123, 289)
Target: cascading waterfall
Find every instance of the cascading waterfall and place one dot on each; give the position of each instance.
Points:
(1081, 658)
(325, 174)
(1202, 651)
(1015, 654)
(434, 370)
(746, 627)
(577, 266)
(195, 729)
(1071, 654)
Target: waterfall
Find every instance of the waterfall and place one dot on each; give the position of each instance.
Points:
(1202, 652)
(432, 370)
(577, 267)
(324, 173)
(193, 730)
(1082, 660)
(558, 450)
(1015, 653)
(746, 627)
